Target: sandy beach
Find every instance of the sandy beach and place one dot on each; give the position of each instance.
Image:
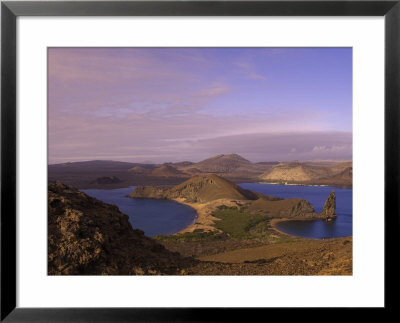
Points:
(205, 220)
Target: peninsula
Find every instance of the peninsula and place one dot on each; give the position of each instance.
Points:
(210, 193)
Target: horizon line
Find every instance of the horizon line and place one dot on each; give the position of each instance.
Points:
(171, 162)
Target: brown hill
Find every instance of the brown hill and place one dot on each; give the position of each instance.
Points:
(106, 180)
(197, 189)
(343, 178)
(82, 174)
(181, 164)
(193, 170)
(138, 170)
(288, 172)
(339, 174)
(284, 208)
(88, 237)
(166, 170)
(222, 164)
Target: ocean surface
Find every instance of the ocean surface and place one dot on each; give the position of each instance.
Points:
(165, 217)
(154, 217)
(316, 195)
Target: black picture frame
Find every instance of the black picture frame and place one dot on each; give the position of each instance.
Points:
(10, 10)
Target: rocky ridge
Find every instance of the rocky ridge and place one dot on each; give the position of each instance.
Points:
(89, 237)
(197, 189)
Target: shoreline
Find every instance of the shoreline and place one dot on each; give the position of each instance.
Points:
(312, 185)
(122, 185)
(276, 221)
(294, 184)
(204, 220)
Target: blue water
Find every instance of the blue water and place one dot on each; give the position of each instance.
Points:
(316, 195)
(166, 217)
(154, 217)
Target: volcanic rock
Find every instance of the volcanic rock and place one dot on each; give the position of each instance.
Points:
(197, 189)
(329, 210)
(89, 237)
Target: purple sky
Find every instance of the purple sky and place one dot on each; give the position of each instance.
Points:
(175, 104)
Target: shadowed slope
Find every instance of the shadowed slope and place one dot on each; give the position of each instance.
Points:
(88, 237)
(222, 164)
(166, 170)
(197, 189)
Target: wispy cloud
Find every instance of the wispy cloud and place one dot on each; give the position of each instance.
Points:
(212, 91)
(249, 71)
(255, 76)
(173, 103)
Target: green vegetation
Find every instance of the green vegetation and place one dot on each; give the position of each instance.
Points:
(241, 224)
(233, 223)
(196, 235)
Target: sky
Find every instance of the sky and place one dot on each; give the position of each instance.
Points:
(175, 104)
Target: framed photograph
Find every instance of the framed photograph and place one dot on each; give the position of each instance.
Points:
(172, 160)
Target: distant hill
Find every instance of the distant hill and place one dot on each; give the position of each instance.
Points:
(222, 164)
(339, 174)
(181, 164)
(197, 189)
(193, 170)
(292, 172)
(93, 164)
(138, 170)
(84, 174)
(166, 170)
(107, 180)
(232, 167)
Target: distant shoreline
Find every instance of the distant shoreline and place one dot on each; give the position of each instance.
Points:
(290, 184)
(300, 184)
(116, 186)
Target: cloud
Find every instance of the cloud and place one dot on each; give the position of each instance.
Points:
(249, 71)
(281, 146)
(212, 92)
(174, 140)
(174, 104)
(255, 76)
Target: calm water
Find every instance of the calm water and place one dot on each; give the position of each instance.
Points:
(168, 217)
(316, 195)
(152, 216)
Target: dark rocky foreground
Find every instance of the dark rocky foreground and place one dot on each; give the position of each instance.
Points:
(88, 237)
